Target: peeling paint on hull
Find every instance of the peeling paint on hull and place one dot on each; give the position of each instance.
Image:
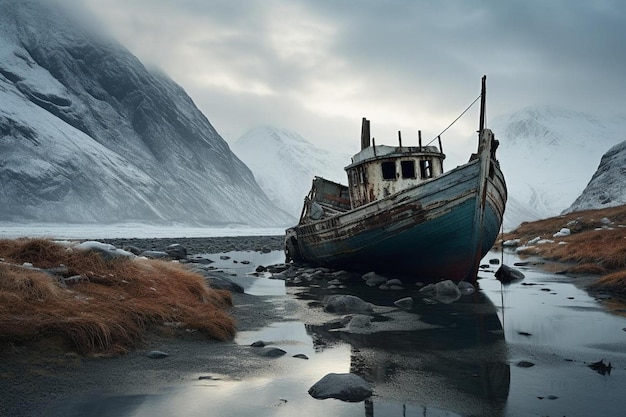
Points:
(439, 229)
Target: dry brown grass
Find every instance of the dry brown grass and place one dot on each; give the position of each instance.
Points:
(110, 310)
(591, 251)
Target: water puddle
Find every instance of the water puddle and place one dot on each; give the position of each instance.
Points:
(519, 349)
(239, 267)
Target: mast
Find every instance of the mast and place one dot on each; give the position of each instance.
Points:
(483, 98)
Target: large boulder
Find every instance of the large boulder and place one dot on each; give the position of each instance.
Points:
(345, 387)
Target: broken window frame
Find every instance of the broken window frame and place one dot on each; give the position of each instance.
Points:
(389, 171)
(408, 169)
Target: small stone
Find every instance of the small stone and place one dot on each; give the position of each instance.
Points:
(404, 303)
(525, 364)
(258, 343)
(301, 356)
(157, 354)
(271, 352)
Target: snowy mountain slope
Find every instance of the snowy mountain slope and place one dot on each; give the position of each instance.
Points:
(88, 134)
(548, 155)
(284, 164)
(607, 187)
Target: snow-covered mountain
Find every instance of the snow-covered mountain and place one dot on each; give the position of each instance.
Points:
(284, 164)
(607, 187)
(88, 134)
(548, 155)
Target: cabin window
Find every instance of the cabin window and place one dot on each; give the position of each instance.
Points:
(353, 176)
(361, 175)
(426, 170)
(408, 169)
(389, 170)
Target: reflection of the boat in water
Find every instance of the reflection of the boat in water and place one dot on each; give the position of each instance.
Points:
(455, 361)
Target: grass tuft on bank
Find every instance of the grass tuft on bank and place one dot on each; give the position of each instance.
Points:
(107, 305)
(596, 245)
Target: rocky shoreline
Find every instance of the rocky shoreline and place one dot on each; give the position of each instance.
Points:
(202, 245)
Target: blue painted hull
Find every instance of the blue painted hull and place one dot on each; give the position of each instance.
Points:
(439, 229)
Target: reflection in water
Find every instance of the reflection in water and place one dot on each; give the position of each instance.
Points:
(455, 361)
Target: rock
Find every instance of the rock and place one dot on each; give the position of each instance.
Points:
(347, 304)
(359, 321)
(157, 354)
(176, 251)
(511, 243)
(104, 249)
(506, 274)
(494, 261)
(274, 269)
(444, 291)
(344, 387)
(258, 343)
(525, 364)
(271, 352)
(466, 288)
(342, 275)
(301, 356)
(200, 260)
(132, 249)
(601, 368)
(562, 233)
(394, 281)
(224, 257)
(404, 303)
(373, 279)
(155, 254)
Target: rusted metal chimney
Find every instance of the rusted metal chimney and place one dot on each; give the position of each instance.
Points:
(365, 134)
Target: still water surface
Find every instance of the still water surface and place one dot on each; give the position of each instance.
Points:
(436, 359)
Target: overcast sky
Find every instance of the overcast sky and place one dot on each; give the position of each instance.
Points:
(319, 66)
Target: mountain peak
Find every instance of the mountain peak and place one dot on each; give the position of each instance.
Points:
(284, 164)
(90, 135)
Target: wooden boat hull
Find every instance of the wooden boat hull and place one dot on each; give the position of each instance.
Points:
(439, 229)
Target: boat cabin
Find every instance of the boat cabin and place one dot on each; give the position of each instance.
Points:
(378, 171)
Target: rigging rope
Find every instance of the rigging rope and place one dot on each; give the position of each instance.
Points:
(455, 120)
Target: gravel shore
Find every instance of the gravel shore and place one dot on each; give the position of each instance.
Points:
(36, 380)
(200, 245)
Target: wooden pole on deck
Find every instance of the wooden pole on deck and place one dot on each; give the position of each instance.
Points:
(483, 98)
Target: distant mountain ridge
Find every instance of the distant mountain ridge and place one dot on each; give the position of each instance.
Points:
(284, 164)
(88, 134)
(548, 154)
(607, 187)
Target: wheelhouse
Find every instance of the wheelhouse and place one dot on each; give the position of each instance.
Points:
(378, 171)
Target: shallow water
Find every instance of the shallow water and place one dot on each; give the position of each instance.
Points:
(433, 360)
